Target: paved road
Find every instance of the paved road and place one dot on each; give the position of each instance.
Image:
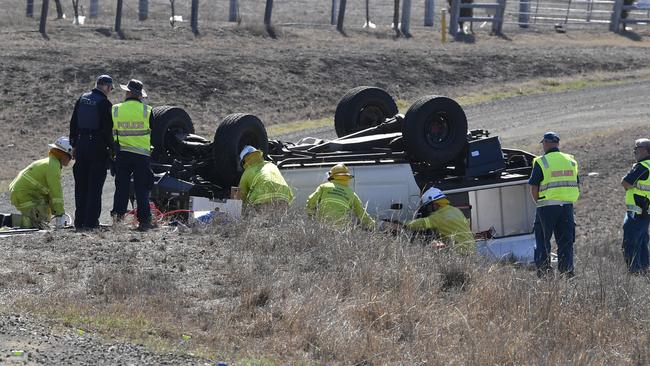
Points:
(520, 120)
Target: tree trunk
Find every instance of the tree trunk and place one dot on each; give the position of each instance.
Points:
(59, 9)
(268, 11)
(29, 12)
(172, 21)
(195, 17)
(118, 17)
(46, 6)
(339, 22)
(396, 18)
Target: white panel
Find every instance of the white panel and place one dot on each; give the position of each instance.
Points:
(515, 214)
(303, 181)
(488, 211)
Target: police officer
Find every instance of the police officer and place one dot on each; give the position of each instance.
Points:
(262, 184)
(637, 199)
(132, 137)
(554, 187)
(335, 201)
(90, 135)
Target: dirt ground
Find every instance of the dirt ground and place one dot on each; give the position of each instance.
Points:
(234, 292)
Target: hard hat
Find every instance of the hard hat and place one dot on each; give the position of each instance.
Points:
(245, 151)
(339, 170)
(431, 195)
(63, 144)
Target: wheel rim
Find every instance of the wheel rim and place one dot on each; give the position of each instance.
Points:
(437, 130)
(370, 116)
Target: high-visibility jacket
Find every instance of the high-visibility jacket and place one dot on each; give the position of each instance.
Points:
(641, 188)
(335, 201)
(451, 224)
(560, 183)
(262, 183)
(39, 182)
(131, 128)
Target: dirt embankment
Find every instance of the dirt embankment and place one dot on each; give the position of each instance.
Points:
(300, 75)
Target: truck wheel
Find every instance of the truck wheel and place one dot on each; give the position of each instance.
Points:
(435, 130)
(363, 107)
(167, 125)
(233, 133)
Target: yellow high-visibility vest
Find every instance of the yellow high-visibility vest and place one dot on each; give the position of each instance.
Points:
(560, 183)
(131, 128)
(641, 188)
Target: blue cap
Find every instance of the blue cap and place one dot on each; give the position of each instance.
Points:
(551, 137)
(104, 79)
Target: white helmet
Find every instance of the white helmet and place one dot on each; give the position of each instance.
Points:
(245, 151)
(430, 195)
(63, 144)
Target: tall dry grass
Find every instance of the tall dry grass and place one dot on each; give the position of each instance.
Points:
(291, 290)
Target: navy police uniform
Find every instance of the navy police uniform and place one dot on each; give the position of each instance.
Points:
(91, 137)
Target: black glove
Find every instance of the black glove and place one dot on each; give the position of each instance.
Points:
(642, 202)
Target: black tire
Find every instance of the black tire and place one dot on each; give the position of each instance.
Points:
(363, 107)
(233, 133)
(168, 123)
(435, 130)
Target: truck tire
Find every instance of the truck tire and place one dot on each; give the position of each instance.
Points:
(168, 122)
(361, 108)
(435, 130)
(233, 133)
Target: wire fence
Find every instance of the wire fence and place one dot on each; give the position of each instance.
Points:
(538, 14)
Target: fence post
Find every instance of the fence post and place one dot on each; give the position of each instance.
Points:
(615, 23)
(44, 8)
(341, 18)
(94, 9)
(143, 10)
(118, 17)
(194, 19)
(29, 11)
(429, 10)
(497, 24)
(268, 11)
(334, 11)
(232, 13)
(454, 14)
(524, 13)
(406, 17)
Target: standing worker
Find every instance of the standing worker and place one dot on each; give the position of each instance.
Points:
(262, 183)
(448, 221)
(132, 137)
(637, 199)
(335, 201)
(90, 136)
(554, 187)
(36, 191)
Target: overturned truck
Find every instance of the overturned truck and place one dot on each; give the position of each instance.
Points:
(393, 158)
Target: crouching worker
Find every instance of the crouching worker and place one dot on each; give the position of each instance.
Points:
(447, 220)
(336, 202)
(36, 191)
(262, 183)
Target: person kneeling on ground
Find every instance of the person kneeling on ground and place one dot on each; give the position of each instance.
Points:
(447, 220)
(335, 201)
(262, 183)
(36, 191)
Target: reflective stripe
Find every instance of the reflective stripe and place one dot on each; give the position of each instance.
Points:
(36, 183)
(115, 111)
(544, 161)
(263, 198)
(336, 201)
(131, 132)
(26, 205)
(642, 187)
(57, 200)
(144, 112)
(634, 208)
(556, 185)
(135, 150)
(542, 203)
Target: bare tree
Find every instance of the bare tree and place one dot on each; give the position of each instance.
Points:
(268, 12)
(44, 8)
(195, 17)
(339, 22)
(59, 9)
(172, 20)
(118, 17)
